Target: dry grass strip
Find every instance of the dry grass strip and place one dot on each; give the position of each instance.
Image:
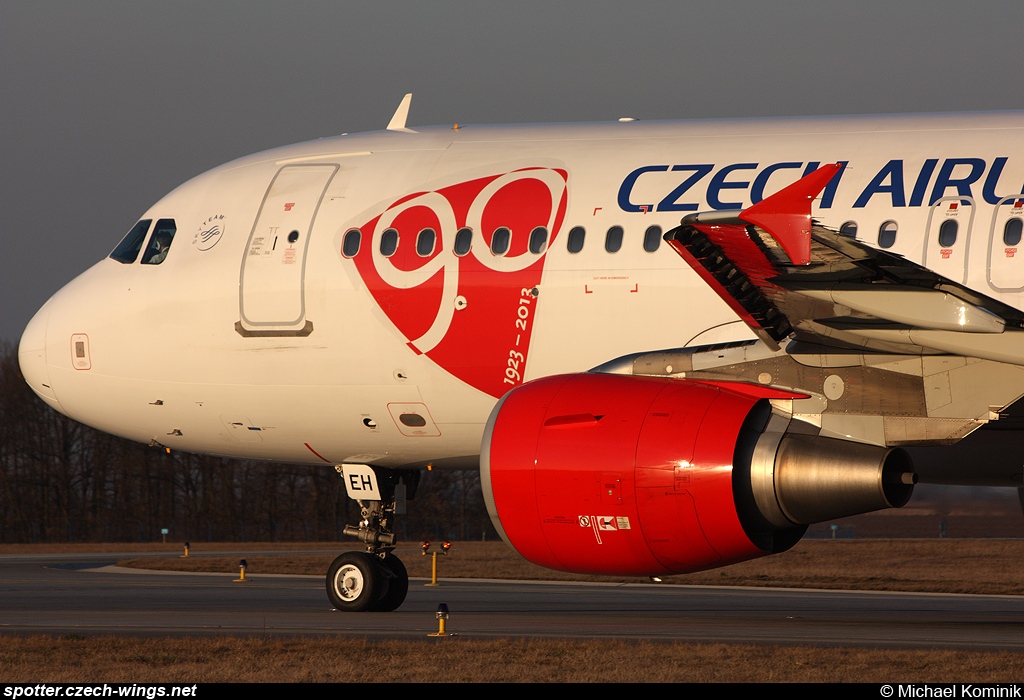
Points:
(228, 659)
(940, 566)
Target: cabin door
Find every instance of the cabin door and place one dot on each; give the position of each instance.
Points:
(271, 286)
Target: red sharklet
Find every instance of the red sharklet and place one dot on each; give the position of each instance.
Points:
(786, 215)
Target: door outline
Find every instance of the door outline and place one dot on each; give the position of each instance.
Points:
(299, 326)
(931, 236)
(992, 242)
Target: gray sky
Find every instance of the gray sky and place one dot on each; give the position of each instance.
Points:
(106, 106)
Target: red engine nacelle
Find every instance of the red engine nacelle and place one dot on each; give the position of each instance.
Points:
(625, 475)
(611, 474)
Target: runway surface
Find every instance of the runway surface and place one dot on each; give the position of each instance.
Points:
(70, 594)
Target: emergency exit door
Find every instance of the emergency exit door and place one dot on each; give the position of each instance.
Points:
(1005, 252)
(948, 237)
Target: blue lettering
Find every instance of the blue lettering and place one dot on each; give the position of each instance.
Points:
(893, 172)
(828, 194)
(917, 196)
(671, 200)
(627, 188)
(945, 180)
(757, 189)
(988, 191)
(718, 184)
(888, 181)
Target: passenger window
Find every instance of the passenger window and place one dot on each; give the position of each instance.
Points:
(425, 242)
(887, 234)
(652, 238)
(576, 237)
(613, 239)
(388, 242)
(159, 242)
(538, 240)
(848, 229)
(350, 244)
(501, 239)
(947, 233)
(463, 241)
(1012, 231)
(128, 249)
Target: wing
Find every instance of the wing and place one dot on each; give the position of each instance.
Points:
(786, 276)
(888, 352)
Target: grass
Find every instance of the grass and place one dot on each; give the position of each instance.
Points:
(198, 660)
(939, 566)
(964, 566)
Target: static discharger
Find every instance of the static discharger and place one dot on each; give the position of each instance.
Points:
(445, 546)
(442, 619)
(185, 555)
(241, 572)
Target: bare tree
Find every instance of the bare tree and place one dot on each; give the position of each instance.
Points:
(63, 481)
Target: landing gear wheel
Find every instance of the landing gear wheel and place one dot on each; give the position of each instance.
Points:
(355, 581)
(398, 587)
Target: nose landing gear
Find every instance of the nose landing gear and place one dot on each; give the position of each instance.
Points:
(375, 580)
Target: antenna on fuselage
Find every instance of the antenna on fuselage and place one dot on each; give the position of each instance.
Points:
(397, 122)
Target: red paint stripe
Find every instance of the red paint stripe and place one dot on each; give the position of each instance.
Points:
(316, 453)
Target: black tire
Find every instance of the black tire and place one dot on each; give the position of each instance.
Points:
(355, 582)
(398, 586)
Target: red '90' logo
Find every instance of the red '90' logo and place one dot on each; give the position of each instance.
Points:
(472, 315)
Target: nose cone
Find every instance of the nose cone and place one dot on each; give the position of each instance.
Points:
(32, 357)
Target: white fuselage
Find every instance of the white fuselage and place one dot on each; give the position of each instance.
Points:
(243, 343)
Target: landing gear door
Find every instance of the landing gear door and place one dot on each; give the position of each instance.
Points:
(360, 482)
(1005, 249)
(948, 239)
(271, 285)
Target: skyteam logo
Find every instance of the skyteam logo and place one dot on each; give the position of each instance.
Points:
(469, 308)
(209, 232)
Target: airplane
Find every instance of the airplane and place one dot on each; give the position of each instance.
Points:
(667, 346)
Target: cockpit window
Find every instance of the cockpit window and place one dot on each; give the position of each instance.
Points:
(159, 242)
(128, 249)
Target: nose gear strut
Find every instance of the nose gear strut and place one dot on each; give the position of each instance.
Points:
(374, 530)
(373, 580)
